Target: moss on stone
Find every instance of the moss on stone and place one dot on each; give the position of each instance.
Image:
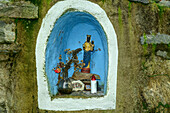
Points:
(161, 10)
(153, 48)
(154, 6)
(103, 1)
(145, 45)
(120, 17)
(129, 8)
(16, 21)
(25, 94)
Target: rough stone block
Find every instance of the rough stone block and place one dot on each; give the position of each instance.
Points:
(4, 0)
(3, 107)
(9, 48)
(156, 66)
(156, 39)
(165, 3)
(141, 1)
(157, 91)
(7, 32)
(4, 80)
(18, 10)
(4, 57)
(163, 54)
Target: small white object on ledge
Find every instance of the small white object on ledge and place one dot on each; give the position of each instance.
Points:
(78, 85)
(93, 85)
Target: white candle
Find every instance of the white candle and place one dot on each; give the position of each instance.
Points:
(93, 85)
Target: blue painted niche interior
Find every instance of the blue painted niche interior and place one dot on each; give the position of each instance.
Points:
(70, 31)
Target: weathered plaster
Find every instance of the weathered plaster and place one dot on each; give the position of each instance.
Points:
(70, 104)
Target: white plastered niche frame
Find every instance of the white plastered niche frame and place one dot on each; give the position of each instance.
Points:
(72, 104)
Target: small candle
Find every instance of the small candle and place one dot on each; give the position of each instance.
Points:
(93, 85)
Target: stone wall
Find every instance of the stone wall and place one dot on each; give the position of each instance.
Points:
(143, 76)
(10, 14)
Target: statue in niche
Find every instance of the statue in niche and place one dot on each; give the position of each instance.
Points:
(79, 80)
(88, 47)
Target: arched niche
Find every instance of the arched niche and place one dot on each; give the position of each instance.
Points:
(70, 31)
(59, 27)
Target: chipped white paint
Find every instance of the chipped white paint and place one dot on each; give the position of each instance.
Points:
(72, 104)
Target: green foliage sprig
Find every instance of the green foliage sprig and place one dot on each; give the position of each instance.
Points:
(145, 106)
(158, 75)
(103, 1)
(145, 45)
(120, 17)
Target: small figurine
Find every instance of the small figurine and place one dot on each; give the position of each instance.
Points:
(88, 47)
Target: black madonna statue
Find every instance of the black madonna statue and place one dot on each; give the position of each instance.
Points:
(88, 47)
